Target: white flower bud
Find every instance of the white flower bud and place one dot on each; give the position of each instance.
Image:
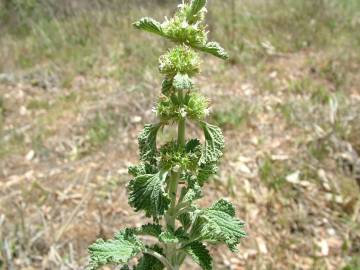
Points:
(176, 168)
(183, 112)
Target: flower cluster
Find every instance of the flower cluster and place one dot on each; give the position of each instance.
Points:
(194, 107)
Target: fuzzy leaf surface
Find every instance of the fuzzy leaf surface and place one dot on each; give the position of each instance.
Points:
(147, 193)
(205, 171)
(115, 251)
(215, 49)
(147, 142)
(166, 86)
(214, 144)
(141, 169)
(168, 237)
(193, 193)
(185, 220)
(200, 255)
(150, 229)
(218, 224)
(195, 7)
(149, 25)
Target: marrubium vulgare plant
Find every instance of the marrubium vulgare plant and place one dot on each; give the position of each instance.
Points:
(169, 178)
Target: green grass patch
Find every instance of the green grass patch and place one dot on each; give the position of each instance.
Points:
(233, 115)
(37, 104)
(273, 173)
(11, 142)
(99, 130)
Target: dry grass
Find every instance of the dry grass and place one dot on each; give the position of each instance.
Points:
(75, 91)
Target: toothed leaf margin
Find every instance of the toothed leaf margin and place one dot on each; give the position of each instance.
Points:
(146, 192)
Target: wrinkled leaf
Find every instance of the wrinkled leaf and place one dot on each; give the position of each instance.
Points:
(150, 229)
(218, 224)
(115, 251)
(147, 142)
(195, 8)
(166, 86)
(149, 25)
(168, 237)
(214, 144)
(147, 193)
(200, 255)
(205, 171)
(141, 169)
(215, 49)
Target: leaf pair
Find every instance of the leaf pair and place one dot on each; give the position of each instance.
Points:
(150, 25)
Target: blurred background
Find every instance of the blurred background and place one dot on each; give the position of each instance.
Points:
(78, 82)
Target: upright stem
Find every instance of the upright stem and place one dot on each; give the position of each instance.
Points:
(181, 133)
(181, 123)
(174, 182)
(175, 176)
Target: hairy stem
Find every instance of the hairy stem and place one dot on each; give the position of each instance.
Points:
(174, 182)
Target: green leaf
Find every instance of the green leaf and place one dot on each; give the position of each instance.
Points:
(147, 193)
(214, 143)
(168, 237)
(185, 220)
(148, 262)
(195, 8)
(200, 255)
(147, 142)
(205, 171)
(166, 86)
(191, 145)
(193, 194)
(150, 229)
(182, 82)
(149, 25)
(218, 224)
(215, 49)
(115, 251)
(141, 169)
(224, 206)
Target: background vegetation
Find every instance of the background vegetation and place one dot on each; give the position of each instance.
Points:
(75, 75)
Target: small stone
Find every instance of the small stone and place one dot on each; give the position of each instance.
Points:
(331, 231)
(261, 245)
(30, 155)
(122, 171)
(293, 178)
(324, 248)
(23, 110)
(136, 119)
(273, 74)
